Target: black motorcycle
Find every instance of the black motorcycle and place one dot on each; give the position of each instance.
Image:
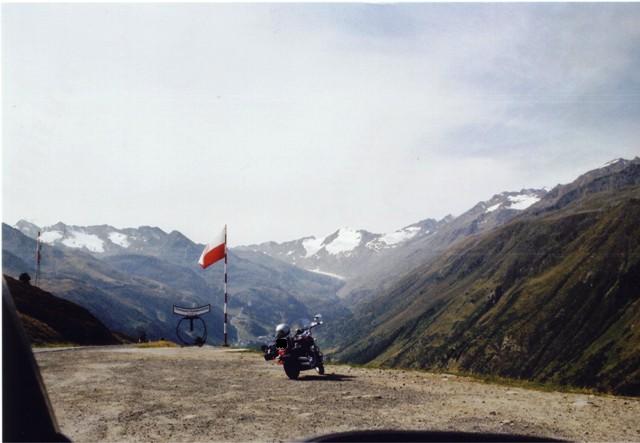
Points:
(298, 352)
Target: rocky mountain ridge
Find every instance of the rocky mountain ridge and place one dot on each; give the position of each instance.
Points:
(132, 286)
(349, 253)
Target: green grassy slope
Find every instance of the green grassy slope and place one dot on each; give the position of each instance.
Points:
(553, 297)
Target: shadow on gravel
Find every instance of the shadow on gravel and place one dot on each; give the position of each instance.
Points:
(328, 377)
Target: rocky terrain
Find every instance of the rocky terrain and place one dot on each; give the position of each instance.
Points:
(213, 394)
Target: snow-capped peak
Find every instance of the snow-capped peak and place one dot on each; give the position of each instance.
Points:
(522, 201)
(119, 239)
(344, 240)
(399, 236)
(79, 239)
(50, 236)
(311, 245)
(514, 200)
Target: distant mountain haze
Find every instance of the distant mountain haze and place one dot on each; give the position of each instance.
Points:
(368, 261)
(130, 279)
(553, 295)
(536, 283)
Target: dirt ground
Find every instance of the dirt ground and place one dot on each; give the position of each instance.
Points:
(215, 394)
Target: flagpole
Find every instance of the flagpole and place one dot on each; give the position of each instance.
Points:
(225, 287)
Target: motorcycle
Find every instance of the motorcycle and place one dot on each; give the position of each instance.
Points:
(298, 352)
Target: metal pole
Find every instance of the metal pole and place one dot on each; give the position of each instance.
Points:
(225, 286)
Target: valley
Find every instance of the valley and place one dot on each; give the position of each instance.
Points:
(438, 201)
(534, 284)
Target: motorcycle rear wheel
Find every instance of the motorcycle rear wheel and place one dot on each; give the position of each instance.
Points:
(292, 370)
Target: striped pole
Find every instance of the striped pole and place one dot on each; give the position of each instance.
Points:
(225, 287)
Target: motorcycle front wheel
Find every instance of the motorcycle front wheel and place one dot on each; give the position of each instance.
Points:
(320, 369)
(292, 369)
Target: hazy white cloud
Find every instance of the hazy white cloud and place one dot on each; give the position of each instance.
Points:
(289, 120)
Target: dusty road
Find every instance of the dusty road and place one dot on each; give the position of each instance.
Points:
(212, 394)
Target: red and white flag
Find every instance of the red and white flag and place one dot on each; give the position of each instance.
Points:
(214, 251)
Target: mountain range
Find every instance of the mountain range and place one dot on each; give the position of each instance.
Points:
(366, 260)
(131, 278)
(536, 283)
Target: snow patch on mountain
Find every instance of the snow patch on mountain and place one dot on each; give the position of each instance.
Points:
(78, 239)
(519, 201)
(614, 161)
(347, 240)
(119, 239)
(50, 236)
(311, 245)
(522, 201)
(399, 236)
(330, 274)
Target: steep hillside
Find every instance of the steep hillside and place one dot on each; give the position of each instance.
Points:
(49, 319)
(616, 174)
(550, 297)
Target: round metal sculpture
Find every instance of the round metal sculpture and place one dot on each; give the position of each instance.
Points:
(189, 337)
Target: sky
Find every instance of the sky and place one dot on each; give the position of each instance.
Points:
(290, 120)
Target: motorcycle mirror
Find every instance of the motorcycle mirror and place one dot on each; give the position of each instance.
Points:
(318, 318)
